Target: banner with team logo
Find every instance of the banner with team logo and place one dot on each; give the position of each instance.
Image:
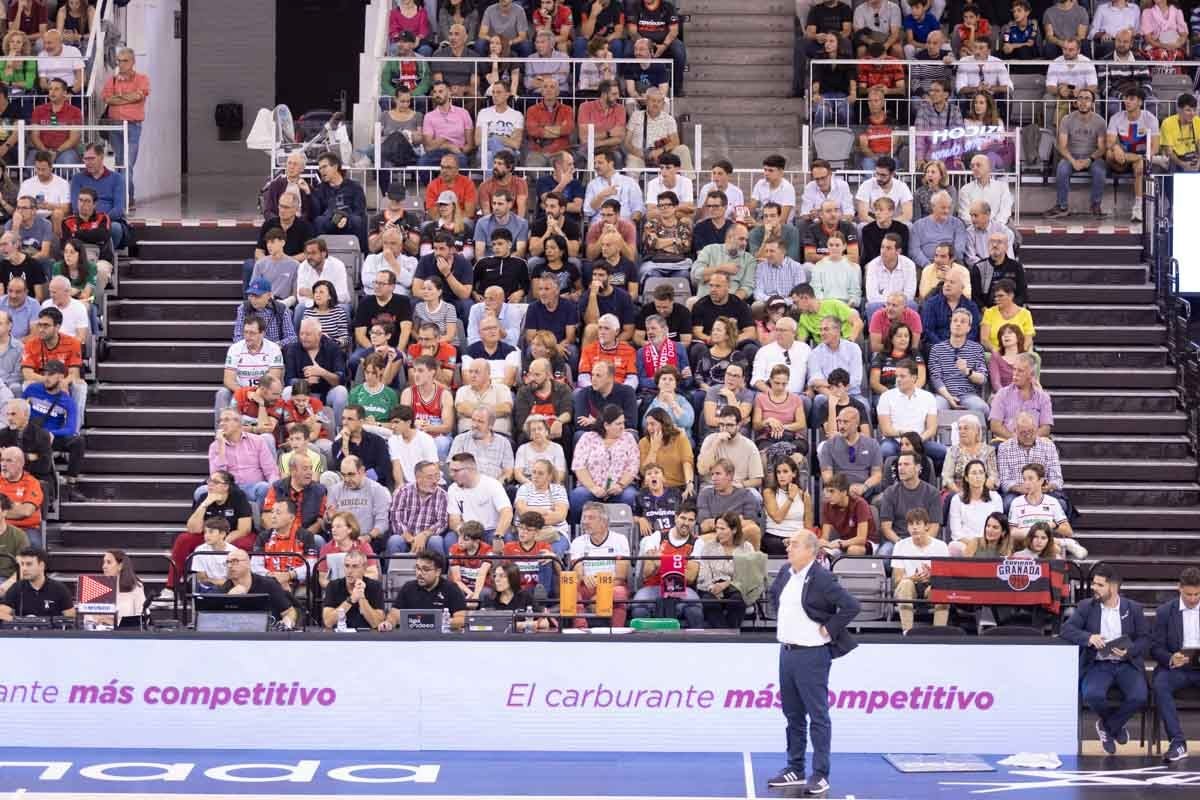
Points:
(1007, 582)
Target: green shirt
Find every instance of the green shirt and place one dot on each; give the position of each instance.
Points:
(376, 405)
(12, 541)
(810, 324)
(80, 281)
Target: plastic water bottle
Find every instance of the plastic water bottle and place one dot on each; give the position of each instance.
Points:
(341, 623)
(445, 620)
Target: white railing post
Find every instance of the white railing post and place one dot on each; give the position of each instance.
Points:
(698, 155)
(591, 147)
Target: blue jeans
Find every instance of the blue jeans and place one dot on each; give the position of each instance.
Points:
(969, 402)
(68, 157)
(519, 49)
(834, 109)
(644, 601)
(1099, 677)
(1166, 682)
(804, 684)
(396, 544)
(35, 537)
(255, 492)
(617, 47)
(433, 158)
(1062, 180)
(494, 145)
(580, 495)
(933, 448)
(127, 161)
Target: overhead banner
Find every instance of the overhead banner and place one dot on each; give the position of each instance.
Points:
(532, 694)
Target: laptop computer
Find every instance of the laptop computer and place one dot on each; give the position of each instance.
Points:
(489, 622)
(424, 621)
(233, 613)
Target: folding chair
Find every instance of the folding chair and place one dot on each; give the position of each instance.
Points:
(620, 520)
(948, 419)
(345, 248)
(1025, 98)
(866, 579)
(681, 285)
(835, 145)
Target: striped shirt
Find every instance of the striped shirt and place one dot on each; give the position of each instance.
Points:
(441, 316)
(540, 501)
(944, 371)
(413, 512)
(335, 323)
(1012, 458)
(770, 279)
(276, 317)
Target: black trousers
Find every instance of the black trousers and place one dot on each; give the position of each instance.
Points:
(73, 447)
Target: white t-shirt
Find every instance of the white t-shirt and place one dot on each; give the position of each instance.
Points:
(1133, 135)
(906, 547)
(732, 193)
(1021, 514)
(907, 413)
(409, 454)
(683, 190)
(497, 366)
(211, 565)
(482, 504)
(614, 546)
(75, 316)
(784, 194)
(376, 263)
(334, 271)
(870, 191)
(62, 65)
(57, 191)
(493, 123)
(250, 367)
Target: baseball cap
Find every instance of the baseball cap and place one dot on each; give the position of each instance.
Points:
(54, 365)
(448, 198)
(775, 300)
(406, 36)
(396, 191)
(258, 286)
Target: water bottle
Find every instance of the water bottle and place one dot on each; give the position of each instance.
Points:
(341, 623)
(445, 620)
(529, 623)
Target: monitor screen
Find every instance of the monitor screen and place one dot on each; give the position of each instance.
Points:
(232, 621)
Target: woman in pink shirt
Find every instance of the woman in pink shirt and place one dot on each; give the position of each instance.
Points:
(606, 463)
(408, 16)
(1164, 32)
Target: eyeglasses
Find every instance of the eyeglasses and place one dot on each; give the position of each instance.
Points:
(852, 452)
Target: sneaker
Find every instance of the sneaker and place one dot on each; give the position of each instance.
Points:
(1122, 736)
(789, 777)
(1075, 550)
(1058, 211)
(166, 595)
(1136, 214)
(1097, 211)
(75, 494)
(817, 787)
(1106, 741)
(1176, 752)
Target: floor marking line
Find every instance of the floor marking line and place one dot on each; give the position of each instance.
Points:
(748, 769)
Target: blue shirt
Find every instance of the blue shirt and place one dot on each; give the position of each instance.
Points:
(110, 192)
(848, 356)
(539, 318)
(56, 413)
(22, 316)
(928, 233)
(460, 268)
(935, 318)
(484, 228)
(618, 303)
(943, 371)
(921, 28)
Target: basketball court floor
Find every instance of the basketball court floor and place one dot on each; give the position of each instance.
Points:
(344, 770)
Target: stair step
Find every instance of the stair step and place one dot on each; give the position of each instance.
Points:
(125, 462)
(181, 288)
(162, 372)
(703, 55)
(225, 249)
(764, 107)
(1111, 335)
(1128, 377)
(1114, 401)
(1158, 495)
(1091, 274)
(180, 441)
(168, 511)
(1046, 313)
(146, 562)
(1136, 518)
(1034, 238)
(1083, 293)
(149, 396)
(135, 488)
(1066, 356)
(726, 129)
(1152, 424)
(176, 234)
(730, 85)
(100, 416)
(1148, 544)
(103, 535)
(174, 310)
(1181, 469)
(211, 352)
(1114, 447)
(726, 36)
(1117, 254)
(162, 269)
(129, 330)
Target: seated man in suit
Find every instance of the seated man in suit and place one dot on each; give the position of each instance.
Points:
(1176, 633)
(1103, 618)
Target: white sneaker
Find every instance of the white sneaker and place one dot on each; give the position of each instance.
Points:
(1136, 214)
(166, 594)
(1074, 549)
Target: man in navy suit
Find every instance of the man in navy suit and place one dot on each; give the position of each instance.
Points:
(814, 610)
(1176, 630)
(1101, 619)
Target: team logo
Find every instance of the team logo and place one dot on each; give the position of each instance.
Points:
(1018, 573)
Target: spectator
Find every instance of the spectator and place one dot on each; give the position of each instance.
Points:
(832, 354)
(670, 179)
(823, 186)
(972, 446)
(936, 57)
(715, 580)
(934, 274)
(492, 452)
(452, 181)
(774, 187)
(653, 133)
(891, 290)
(502, 359)
(719, 303)
(35, 593)
(297, 230)
(51, 193)
(788, 506)
(432, 403)
(984, 188)
(606, 461)
(1164, 32)
(316, 266)
(937, 228)
(538, 446)
(340, 204)
(786, 350)
(1081, 145)
(773, 228)
(939, 308)
(1006, 312)
(667, 450)
(1032, 506)
(11, 351)
(469, 563)
(545, 495)
(902, 497)
(997, 268)
(715, 224)
(31, 234)
(109, 188)
(291, 182)
(449, 269)
(777, 273)
(598, 552)
(877, 21)
(906, 408)
(847, 525)
(982, 73)
(419, 512)
(610, 184)
(477, 498)
(667, 240)
(1023, 395)
(934, 179)
(679, 541)
(393, 258)
(563, 181)
(618, 272)
(308, 500)
(722, 381)
(606, 115)
(851, 453)
(277, 269)
(74, 313)
(25, 492)
(366, 500)
(884, 184)
(33, 441)
(727, 495)
(501, 130)
(935, 112)
(529, 562)
(451, 67)
(1181, 148)
(874, 232)
(356, 600)
(21, 309)
(347, 538)
(388, 311)
(1120, 15)
(545, 65)
(547, 398)
(480, 391)
(548, 127)
(248, 360)
(834, 275)
(1096, 622)
(730, 445)
(911, 578)
(430, 589)
(958, 369)
(1132, 140)
(447, 130)
(261, 304)
(730, 258)
(971, 506)
(208, 566)
(47, 345)
(394, 215)
(53, 410)
(1027, 447)
(1070, 73)
(91, 227)
(608, 221)
(19, 75)
(1174, 636)
(511, 24)
(370, 449)
(779, 414)
(58, 61)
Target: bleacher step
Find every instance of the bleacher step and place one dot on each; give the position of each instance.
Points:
(163, 440)
(173, 328)
(1084, 293)
(1077, 356)
(133, 488)
(1152, 424)
(161, 372)
(1146, 544)
(1126, 377)
(103, 416)
(126, 462)
(1106, 315)
(175, 351)
(173, 512)
(1114, 335)
(107, 534)
(191, 234)
(151, 395)
(181, 288)
(1083, 469)
(226, 249)
(1158, 495)
(1114, 447)
(161, 269)
(190, 311)
(1115, 401)
(1136, 518)
(1091, 274)
(1092, 253)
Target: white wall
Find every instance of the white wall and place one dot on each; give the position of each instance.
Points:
(150, 31)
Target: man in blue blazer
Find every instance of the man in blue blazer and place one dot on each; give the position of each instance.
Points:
(1101, 619)
(1176, 630)
(814, 610)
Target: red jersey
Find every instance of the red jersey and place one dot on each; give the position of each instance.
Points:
(468, 566)
(428, 410)
(529, 566)
(622, 357)
(248, 408)
(26, 489)
(668, 548)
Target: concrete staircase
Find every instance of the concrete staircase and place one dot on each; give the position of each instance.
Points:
(739, 80)
(148, 431)
(1127, 461)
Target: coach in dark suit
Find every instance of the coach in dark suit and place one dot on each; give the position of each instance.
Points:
(814, 610)
(1098, 620)
(1176, 629)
